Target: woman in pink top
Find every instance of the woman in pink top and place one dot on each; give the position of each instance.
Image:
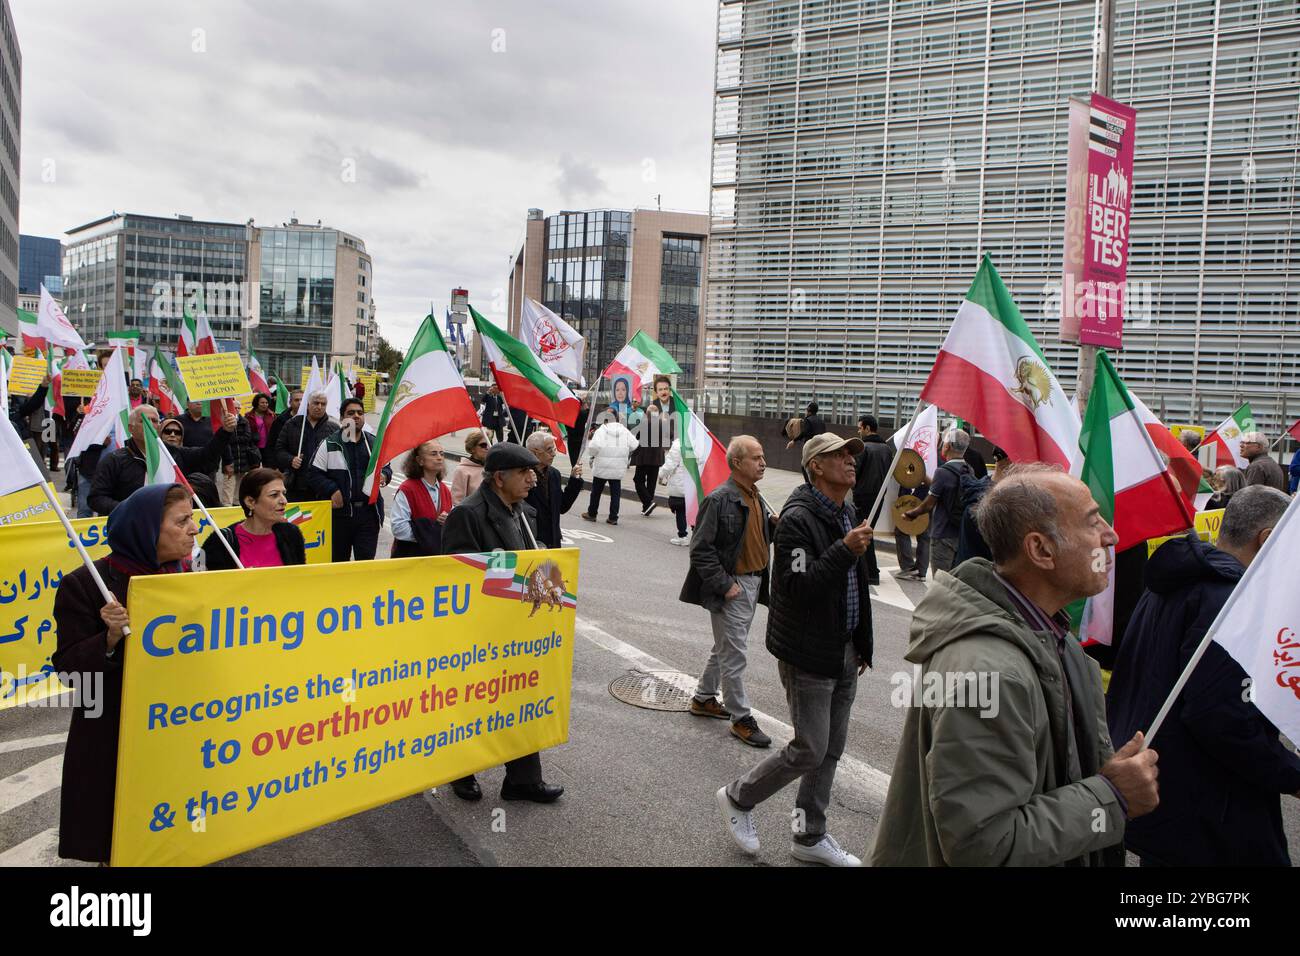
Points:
(260, 418)
(264, 539)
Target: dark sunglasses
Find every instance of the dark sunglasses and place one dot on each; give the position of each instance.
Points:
(171, 431)
(483, 444)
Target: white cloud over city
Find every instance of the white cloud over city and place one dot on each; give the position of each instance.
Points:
(456, 116)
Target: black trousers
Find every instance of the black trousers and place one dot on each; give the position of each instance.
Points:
(873, 568)
(643, 480)
(521, 770)
(615, 495)
(678, 507)
(356, 536)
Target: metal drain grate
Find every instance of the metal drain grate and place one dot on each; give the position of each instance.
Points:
(651, 690)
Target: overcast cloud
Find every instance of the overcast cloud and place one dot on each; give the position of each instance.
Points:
(456, 116)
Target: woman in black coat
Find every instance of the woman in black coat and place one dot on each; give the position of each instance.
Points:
(151, 532)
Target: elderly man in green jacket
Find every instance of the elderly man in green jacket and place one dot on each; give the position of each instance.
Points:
(1005, 758)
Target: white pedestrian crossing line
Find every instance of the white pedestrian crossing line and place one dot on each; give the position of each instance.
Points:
(853, 773)
(40, 850)
(26, 785)
(29, 743)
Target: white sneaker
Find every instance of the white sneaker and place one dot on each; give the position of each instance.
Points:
(680, 542)
(825, 851)
(740, 823)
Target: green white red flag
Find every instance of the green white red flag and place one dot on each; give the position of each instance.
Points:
(991, 372)
(703, 456)
(525, 381)
(159, 466)
(1226, 438)
(428, 399)
(256, 375)
(1134, 489)
(642, 358)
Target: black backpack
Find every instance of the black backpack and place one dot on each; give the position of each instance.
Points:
(969, 491)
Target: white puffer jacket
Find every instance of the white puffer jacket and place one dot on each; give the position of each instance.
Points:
(673, 472)
(608, 451)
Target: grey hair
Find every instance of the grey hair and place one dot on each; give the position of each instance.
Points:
(138, 413)
(539, 440)
(736, 448)
(958, 439)
(1252, 510)
(1256, 437)
(1233, 478)
(1015, 506)
(315, 395)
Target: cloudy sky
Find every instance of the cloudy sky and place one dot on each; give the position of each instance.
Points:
(456, 115)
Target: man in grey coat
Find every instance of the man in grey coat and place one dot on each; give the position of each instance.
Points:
(1005, 757)
(1262, 469)
(728, 577)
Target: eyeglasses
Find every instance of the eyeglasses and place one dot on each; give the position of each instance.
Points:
(483, 444)
(171, 431)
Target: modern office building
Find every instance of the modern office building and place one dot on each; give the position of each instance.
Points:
(315, 297)
(611, 273)
(40, 262)
(11, 78)
(128, 271)
(289, 291)
(867, 153)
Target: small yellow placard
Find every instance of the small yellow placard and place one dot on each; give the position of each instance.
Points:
(26, 375)
(220, 375)
(81, 382)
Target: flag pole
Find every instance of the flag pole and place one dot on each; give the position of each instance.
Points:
(1214, 626)
(81, 549)
(215, 530)
(898, 453)
(510, 419)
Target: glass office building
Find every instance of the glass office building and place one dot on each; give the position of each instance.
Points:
(40, 262)
(611, 273)
(315, 298)
(588, 264)
(867, 153)
(128, 271)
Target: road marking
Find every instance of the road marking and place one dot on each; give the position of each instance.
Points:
(40, 850)
(890, 591)
(26, 785)
(854, 772)
(28, 743)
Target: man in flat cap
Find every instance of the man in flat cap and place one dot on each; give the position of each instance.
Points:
(496, 517)
(819, 631)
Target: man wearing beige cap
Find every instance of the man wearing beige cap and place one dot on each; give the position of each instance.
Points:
(1262, 470)
(819, 630)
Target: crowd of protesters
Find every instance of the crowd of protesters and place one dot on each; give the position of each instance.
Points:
(1055, 774)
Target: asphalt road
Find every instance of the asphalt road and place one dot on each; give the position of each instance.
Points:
(639, 782)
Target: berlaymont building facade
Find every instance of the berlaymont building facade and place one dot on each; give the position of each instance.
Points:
(867, 152)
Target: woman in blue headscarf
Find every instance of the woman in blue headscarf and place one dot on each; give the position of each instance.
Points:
(151, 532)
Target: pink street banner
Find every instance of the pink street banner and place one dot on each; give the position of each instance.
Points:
(1099, 199)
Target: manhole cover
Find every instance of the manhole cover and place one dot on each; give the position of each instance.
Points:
(652, 690)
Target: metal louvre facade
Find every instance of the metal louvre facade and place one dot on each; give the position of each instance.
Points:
(867, 153)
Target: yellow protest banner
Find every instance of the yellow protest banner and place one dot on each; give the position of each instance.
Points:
(26, 375)
(219, 375)
(1207, 529)
(27, 505)
(36, 554)
(81, 382)
(344, 688)
(369, 378)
